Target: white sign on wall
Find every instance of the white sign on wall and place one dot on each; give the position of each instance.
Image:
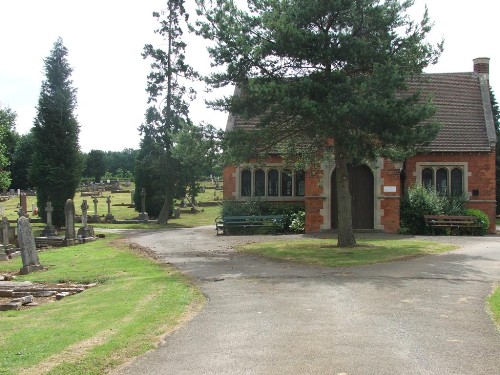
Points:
(389, 189)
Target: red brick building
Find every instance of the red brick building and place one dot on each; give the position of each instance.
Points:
(460, 160)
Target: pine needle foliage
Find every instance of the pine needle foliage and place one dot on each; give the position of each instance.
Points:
(57, 165)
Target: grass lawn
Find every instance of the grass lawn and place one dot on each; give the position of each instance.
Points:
(121, 211)
(135, 302)
(494, 303)
(326, 253)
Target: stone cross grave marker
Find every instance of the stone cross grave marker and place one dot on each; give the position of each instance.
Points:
(84, 208)
(69, 213)
(95, 217)
(85, 231)
(109, 216)
(49, 229)
(27, 245)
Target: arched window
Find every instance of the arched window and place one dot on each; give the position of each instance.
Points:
(300, 183)
(442, 181)
(260, 183)
(272, 183)
(246, 183)
(456, 182)
(427, 178)
(286, 183)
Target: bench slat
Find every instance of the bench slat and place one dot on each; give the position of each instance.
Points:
(452, 221)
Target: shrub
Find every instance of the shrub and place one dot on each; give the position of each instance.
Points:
(417, 202)
(420, 201)
(480, 215)
(298, 222)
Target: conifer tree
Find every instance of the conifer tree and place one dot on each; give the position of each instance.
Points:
(313, 71)
(57, 165)
(7, 140)
(168, 95)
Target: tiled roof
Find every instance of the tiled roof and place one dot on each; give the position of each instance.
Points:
(466, 124)
(459, 109)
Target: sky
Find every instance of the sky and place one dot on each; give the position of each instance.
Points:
(105, 39)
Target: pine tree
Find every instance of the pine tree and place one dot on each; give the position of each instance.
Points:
(314, 71)
(57, 165)
(167, 99)
(8, 138)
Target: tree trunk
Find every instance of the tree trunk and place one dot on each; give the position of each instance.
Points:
(165, 211)
(345, 229)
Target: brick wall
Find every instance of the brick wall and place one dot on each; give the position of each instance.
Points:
(314, 201)
(229, 182)
(390, 200)
(481, 177)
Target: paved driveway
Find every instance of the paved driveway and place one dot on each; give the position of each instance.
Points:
(423, 316)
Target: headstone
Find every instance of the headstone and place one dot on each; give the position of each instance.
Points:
(24, 204)
(95, 217)
(143, 216)
(2, 210)
(132, 193)
(49, 229)
(5, 231)
(5, 238)
(109, 216)
(84, 208)
(85, 231)
(26, 240)
(69, 213)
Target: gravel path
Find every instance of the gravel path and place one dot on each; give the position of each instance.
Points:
(422, 316)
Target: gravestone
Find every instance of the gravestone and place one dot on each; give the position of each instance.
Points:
(95, 217)
(26, 240)
(5, 238)
(24, 204)
(109, 217)
(69, 213)
(143, 216)
(85, 231)
(2, 210)
(49, 230)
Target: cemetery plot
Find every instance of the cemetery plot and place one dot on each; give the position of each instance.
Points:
(22, 295)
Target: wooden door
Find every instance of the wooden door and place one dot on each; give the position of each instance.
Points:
(362, 197)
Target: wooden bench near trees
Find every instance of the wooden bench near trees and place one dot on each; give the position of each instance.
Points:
(274, 222)
(453, 222)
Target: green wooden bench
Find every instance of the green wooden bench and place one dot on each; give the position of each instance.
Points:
(225, 224)
(456, 222)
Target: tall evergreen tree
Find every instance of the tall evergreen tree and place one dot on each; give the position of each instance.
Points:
(167, 99)
(22, 159)
(7, 142)
(314, 71)
(57, 165)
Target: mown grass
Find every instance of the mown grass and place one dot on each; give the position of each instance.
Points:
(135, 302)
(326, 253)
(121, 210)
(494, 304)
